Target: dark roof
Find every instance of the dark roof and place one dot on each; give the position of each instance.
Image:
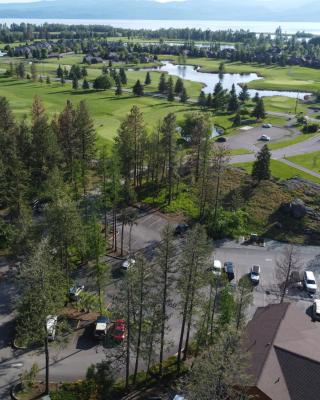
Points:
(301, 375)
(285, 352)
(261, 331)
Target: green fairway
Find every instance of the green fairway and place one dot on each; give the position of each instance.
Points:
(239, 152)
(310, 160)
(291, 78)
(107, 109)
(290, 142)
(281, 171)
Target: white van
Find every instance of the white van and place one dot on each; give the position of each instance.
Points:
(309, 282)
(217, 268)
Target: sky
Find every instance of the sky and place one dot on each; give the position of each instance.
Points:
(278, 3)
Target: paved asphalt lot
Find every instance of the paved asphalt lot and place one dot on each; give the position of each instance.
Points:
(71, 360)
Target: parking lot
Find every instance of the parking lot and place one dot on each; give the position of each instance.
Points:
(70, 359)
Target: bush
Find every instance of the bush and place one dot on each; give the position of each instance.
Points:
(311, 128)
(103, 82)
(230, 224)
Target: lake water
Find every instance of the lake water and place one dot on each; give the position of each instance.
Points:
(191, 73)
(254, 26)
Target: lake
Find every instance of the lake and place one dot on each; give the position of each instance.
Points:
(254, 26)
(191, 73)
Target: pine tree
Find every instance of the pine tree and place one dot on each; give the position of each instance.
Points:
(123, 76)
(62, 81)
(244, 94)
(261, 167)
(60, 72)
(75, 84)
(33, 70)
(202, 101)
(259, 111)
(178, 88)
(42, 293)
(86, 136)
(209, 100)
(85, 85)
(170, 96)
(237, 119)
(148, 79)
(48, 81)
(162, 87)
(256, 98)
(164, 281)
(233, 103)
(168, 129)
(137, 89)
(184, 96)
(118, 91)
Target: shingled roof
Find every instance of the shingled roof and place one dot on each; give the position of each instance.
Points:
(285, 352)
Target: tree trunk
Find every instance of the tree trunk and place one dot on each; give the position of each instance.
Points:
(128, 337)
(46, 350)
(164, 309)
(140, 324)
(122, 235)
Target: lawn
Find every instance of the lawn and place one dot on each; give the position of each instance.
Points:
(107, 109)
(281, 171)
(290, 142)
(310, 160)
(291, 78)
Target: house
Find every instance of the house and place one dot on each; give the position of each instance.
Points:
(284, 347)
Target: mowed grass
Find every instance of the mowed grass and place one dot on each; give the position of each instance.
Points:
(107, 109)
(310, 160)
(290, 142)
(280, 171)
(291, 78)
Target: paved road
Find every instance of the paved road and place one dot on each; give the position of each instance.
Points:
(71, 360)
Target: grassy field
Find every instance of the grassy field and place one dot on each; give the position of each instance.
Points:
(291, 78)
(281, 171)
(107, 109)
(239, 152)
(290, 142)
(310, 160)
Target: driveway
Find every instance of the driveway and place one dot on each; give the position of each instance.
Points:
(71, 359)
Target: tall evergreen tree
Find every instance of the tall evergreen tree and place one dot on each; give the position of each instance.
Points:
(184, 96)
(259, 111)
(85, 85)
(148, 79)
(85, 135)
(244, 94)
(123, 76)
(162, 87)
(202, 101)
(170, 96)
(137, 89)
(75, 83)
(42, 293)
(261, 167)
(178, 86)
(168, 129)
(233, 103)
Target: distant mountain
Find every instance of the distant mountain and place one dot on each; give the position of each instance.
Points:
(149, 9)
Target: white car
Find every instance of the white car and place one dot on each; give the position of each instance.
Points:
(309, 282)
(127, 264)
(255, 274)
(316, 310)
(51, 326)
(265, 138)
(267, 126)
(217, 268)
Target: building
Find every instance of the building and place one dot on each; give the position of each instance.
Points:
(284, 347)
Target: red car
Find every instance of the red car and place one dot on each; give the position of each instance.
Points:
(119, 330)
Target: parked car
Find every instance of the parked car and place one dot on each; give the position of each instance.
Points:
(127, 264)
(316, 310)
(217, 268)
(52, 321)
(101, 327)
(229, 270)
(255, 274)
(265, 138)
(119, 330)
(256, 239)
(267, 126)
(181, 229)
(309, 282)
(75, 291)
(221, 139)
